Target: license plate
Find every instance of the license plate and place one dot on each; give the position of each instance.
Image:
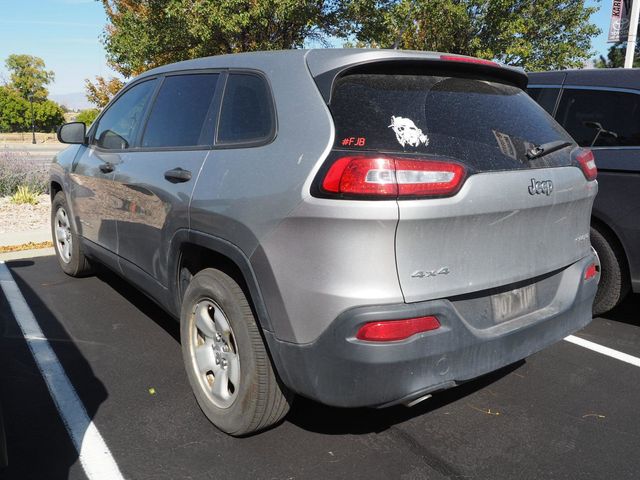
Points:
(511, 304)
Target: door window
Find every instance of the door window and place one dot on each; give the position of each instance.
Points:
(546, 97)
(247, 115)
(181, 114)
(117, 128)
(600, 118)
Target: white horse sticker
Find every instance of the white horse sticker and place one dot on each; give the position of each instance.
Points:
(407, 133)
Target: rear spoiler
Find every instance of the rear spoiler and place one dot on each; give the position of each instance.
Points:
(328, 66)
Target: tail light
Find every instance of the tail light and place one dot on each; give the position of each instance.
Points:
(392, 177)
(587, 163)
(393, 330)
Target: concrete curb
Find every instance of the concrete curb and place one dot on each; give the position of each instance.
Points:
(20, 238)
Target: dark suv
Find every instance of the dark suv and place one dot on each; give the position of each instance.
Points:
(360, 227)
(600, 108)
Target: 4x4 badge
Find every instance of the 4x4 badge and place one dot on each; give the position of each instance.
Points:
(430, 273)
(540, 186)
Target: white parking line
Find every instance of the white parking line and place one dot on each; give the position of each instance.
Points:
(94, 455)
(610, 352)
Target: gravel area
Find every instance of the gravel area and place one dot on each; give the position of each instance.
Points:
(19, 218)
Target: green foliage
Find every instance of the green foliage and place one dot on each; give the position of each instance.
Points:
(615, 57)
(540, 35)
(12, 110)
(48, 116)
(15, 113)
(17, 170)
(143, 35)
(25, 195)
(544, 34)
(87, 116)
(29, 76)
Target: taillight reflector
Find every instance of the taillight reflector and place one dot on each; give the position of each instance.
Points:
(393, 330)
(587, 163)
(591, 271)
(393, 177)
(480, 61)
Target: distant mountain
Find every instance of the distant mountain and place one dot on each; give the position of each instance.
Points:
(73, 101)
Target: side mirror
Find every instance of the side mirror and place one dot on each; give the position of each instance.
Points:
(74, 132)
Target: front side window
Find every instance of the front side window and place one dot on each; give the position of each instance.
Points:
(181, 114)
(247, 111)
(117, 128)
(600, 118)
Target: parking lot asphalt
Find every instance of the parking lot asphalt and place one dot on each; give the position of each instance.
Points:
(566, 412)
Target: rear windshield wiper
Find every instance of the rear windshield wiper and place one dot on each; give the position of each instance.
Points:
(538, 151)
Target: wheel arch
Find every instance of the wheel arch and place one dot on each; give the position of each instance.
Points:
(195, 251)
(614, 239)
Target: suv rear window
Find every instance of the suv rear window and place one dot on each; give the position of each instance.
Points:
(486, 124)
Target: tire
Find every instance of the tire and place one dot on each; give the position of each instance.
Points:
(225, 358)
(614, 284)
(66, 240)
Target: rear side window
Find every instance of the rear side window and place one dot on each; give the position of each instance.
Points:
(546, 97)
(118, 127)
(484, 123)
(181, 114)
(247, 115)
(600, 118)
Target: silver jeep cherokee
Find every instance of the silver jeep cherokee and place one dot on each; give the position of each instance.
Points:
(361, 227)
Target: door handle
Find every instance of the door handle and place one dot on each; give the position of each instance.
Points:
(107, 167)
(177, 175)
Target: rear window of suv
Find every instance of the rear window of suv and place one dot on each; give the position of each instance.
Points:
(477, 121)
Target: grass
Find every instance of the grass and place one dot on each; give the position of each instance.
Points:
(25, 195)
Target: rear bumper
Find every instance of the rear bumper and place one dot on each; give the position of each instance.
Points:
(339, 370)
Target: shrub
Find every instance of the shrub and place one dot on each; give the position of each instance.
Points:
(17, 170)
(87, 116)
(15, 113)
(24, 194)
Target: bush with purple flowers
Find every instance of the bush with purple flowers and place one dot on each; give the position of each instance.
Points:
(18, 169)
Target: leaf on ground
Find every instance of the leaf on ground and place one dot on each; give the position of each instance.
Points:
(25, 246)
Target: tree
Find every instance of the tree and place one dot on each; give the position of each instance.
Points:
(87, 116)
(12, 110)
(540, 35)
(102, 91)
(29, 76)
(15, 113)
(615, 57)
(48, 116)
(145, 34)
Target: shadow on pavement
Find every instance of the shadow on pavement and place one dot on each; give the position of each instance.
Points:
(37, 442)
(143, 303)
(627, 311)
(315, 417)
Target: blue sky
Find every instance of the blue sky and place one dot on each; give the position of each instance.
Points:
(66, 34)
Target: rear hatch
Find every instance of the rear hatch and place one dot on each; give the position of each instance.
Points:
(509, 218)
